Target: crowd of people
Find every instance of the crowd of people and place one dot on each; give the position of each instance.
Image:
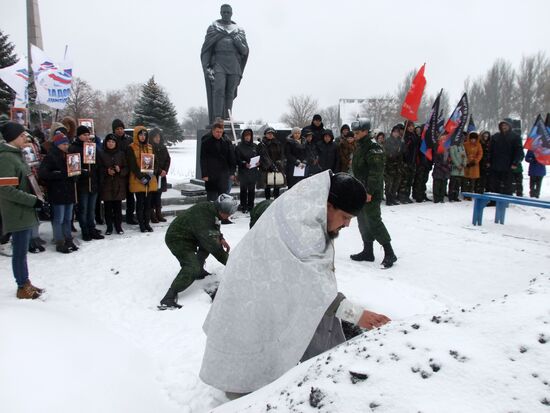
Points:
(479, 162)
(71, 176)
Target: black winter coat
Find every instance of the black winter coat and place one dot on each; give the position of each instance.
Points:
(295, 152)
(271, 155)
(312, 159)
(244, 152)
(217, 158)
(88, 181)
(328, 155)
(411, 143)
(162, 158)
(317, 131)
(505, 150)
(53, 172)
(113, 187)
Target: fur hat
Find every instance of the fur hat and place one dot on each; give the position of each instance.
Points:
(347, 193)
(70, 124)
(226, 204)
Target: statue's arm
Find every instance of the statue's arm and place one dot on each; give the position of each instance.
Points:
(239, 40)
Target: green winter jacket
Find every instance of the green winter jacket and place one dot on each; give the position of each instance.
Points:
(368, 167)
(16, 202)
(459, 160)
(199, 226)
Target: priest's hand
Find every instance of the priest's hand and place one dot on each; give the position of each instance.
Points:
(225, 245)
(370, 320)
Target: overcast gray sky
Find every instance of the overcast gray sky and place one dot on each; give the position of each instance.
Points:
(327, 49)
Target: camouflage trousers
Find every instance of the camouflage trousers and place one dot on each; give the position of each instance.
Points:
(392, 180)
(370, 223)
(191, 263)
(407, 178)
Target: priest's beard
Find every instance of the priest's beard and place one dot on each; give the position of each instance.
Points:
(333, 234)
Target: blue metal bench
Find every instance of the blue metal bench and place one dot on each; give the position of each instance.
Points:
(502, 201)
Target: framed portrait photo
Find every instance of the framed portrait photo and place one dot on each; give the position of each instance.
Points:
(73, 164)
(147, 163)
(89, 152)
(30, 155)
(19, 115)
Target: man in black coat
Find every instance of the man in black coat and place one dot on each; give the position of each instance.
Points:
(506, 153)
(218, 162)
(316, 128)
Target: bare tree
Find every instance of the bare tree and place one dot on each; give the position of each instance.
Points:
(499, 91)
(130, 96)
(79, 104)
(301, 110)
(381, 111)
(530, 87)
(331, 118)
(195, 118)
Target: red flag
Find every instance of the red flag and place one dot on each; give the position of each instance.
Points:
(409, 110)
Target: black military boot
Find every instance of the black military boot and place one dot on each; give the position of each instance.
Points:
(389, 256)
(170, 300)
(366, 255)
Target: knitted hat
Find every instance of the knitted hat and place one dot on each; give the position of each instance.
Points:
(226, 204)
(296, 129)
(11, 131)
(117, 123)
(317, 117)
(59, 139)
(347, 193)
(81, 130)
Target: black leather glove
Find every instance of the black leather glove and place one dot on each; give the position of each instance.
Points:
(145, 179)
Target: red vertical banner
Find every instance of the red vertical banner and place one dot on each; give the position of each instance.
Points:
(409, 110)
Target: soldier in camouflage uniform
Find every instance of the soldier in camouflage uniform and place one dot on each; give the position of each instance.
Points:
(191, 237)
(368, 167)
(394, 164)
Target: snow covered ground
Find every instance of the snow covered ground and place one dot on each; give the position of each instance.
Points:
(470, 331)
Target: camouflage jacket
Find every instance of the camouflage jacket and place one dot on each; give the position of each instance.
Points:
(199, 226)
(368, 166)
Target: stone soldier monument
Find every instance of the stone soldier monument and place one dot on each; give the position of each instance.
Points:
(223, 56)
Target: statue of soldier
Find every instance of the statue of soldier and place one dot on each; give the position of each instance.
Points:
(223, 56)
